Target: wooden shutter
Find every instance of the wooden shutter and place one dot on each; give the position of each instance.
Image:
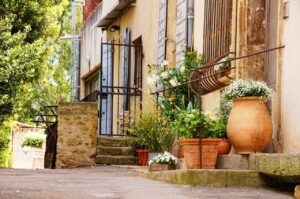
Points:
(162, 25)
(217, 25)
(125, 71)
(181, 30)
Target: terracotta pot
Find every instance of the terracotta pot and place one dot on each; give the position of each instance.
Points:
(180, 152)
(143, 156)
(191, 152)
(224, 147)
(249, 125)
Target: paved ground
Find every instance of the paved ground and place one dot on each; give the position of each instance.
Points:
(110, 182)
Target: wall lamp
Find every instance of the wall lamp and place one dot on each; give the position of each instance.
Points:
(113, 28)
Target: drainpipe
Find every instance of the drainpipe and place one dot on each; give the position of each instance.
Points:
(190, 24)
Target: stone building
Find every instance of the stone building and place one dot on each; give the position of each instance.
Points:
(121, 37)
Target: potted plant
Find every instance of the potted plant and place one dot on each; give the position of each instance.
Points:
(150, 133)
(225, 70)
(161, 162)
(189, 124)
(218, 129)
(249, 125)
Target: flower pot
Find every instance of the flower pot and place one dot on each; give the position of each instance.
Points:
(191, 152)
(224, 147)
(162, 167)
(143, 156)
(249, 125)
(180, 152)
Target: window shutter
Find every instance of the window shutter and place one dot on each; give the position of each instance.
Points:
(162, 24)
(125, 65)
(181, 30)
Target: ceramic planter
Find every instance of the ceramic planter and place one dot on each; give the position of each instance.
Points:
(191, 152)
(249, 125)
(162, 167)
(224, 147)
(143, 156)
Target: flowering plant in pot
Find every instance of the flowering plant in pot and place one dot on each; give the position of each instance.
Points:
(191, 125)
(224, 68)
(150, 133)
(249, 124)
(165, 161)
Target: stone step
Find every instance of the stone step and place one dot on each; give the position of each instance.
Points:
(209, 177)
(116, 160)
(114, 142)
(115, 151)
(236, 162)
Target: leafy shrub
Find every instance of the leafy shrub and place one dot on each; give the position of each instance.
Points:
(151, 130)
(35, 140)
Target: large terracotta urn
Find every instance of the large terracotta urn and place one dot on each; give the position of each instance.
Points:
(249, 125)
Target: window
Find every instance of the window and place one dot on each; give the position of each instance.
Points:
(217, 25)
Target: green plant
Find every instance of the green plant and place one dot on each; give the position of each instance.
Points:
(151, 130)
(190, 123)
(34, 139)
(244, 88)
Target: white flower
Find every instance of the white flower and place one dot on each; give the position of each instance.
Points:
(151, 81)
(182, 69)
(173, 82)
(164, 74)
(164, 63)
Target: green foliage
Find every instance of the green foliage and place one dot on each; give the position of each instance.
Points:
(34, 62)
(246, 88)
(169, 76)
(5, 136)
(190, 123)
(151, 131)
(35, 140)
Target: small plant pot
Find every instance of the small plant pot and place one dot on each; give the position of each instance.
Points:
(162, 167)
(224, 147)
(191, 151)
(143, 156)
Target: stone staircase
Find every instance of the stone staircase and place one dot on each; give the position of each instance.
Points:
(115, 151)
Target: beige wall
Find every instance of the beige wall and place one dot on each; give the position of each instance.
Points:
(142, 20)
(26, 157)
(91, 37)
(290, 105)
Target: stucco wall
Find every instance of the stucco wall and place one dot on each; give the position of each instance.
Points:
(26, 157)
(77, 134)
(91, 37)
(290, 128)
(142, 20)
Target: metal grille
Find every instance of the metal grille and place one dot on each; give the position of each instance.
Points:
(120, 87)
(217, 25)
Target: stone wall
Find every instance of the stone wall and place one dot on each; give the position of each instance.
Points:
(77, 134)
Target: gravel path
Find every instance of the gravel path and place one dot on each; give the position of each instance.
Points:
(110, 182)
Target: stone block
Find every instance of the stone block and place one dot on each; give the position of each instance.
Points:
(283, 167)
(236, 162)
(77, 134)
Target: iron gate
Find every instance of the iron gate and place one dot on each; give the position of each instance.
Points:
(120, 84)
